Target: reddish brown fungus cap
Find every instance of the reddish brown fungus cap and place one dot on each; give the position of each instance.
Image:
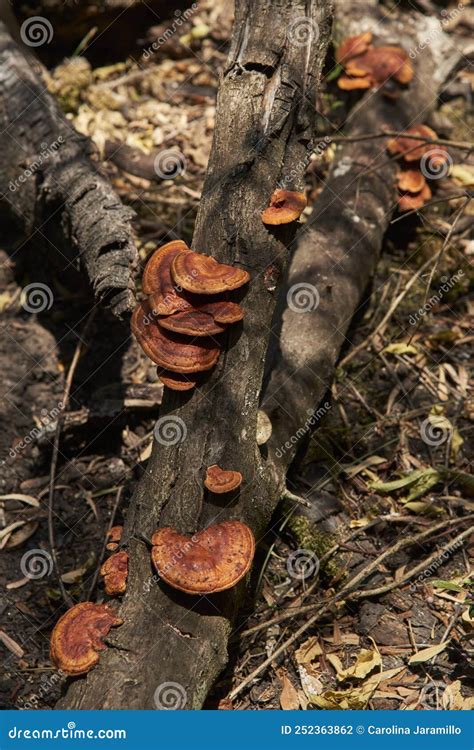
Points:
(410, 181)
(192, 323)
(165, 297)
(175, 380)
(412, 201)
(347, 83)
(223, 311)
(212, 560)
(414, 150)
(352, 46)
(77, 637)
(201, 274)
(115, 573)
(285, 206)
(379, 64)
(170, 350)
(114, 535)
(219, 480)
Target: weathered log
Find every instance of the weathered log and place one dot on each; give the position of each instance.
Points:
(52, 187)
(337, 251)
(264, 122)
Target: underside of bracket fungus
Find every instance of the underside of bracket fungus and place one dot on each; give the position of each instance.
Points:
(115, 574)
(211, 560)
(422, 161)
(285, 206)
(78, 635)
(177, 322)
(367, 66)
(219, 480)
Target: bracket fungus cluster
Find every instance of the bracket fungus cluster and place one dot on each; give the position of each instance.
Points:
(367, 66)
(285, 206)
(219, 480)
(211, 560)
(77, 637)
(422, 160)
(182, 313)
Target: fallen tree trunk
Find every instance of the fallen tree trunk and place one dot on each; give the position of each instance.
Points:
(170, 645)
(337, 251)
(52, 187)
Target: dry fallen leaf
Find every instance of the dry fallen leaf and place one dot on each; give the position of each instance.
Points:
(427, 653)
(289, 700)
(367, 660)
(308, 651)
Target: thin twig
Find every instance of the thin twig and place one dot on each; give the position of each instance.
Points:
(54, 459)
(394, 134)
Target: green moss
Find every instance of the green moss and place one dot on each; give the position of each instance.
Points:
(308, 536)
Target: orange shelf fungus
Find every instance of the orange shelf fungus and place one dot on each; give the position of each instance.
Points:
(175, 380)
(411, 201)
(77, 637)
(285, 206)
(211, 560)
(192, 322)
(410, 181)
(352, 46)
(114, 536)
(202, 274)
(115, 574)
(158, 283)
(367, 66)
(413, 150)
(219, 480)
(170, 350)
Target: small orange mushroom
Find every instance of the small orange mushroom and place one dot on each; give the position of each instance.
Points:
(413, 149)
(347, 83)
(114, 535)
(212, 560)
(192, 322)
(170, 350)
(219, 480)
(175, 380)
(380, 64)
(115, 573)
(410, 181)
(285, 206)
(413, 201)
(202, 274)
(352, 46)
(165, 297)
(77, 637)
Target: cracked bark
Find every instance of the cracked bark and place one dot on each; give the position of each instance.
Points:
(52, 187)
(264, 122)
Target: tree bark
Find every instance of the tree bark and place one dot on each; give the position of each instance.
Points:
(54, 189)
(264, 124)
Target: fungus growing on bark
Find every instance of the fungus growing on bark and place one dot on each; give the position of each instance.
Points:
(175, 380)
(170, 350)
(349, 84)
(410, 201)
(380, 64)
(353, 46)
(202, 274)
(223, 311)
(211, 560)
(78, 635)
(285, 206)
(414, 150)
(193, 322)
(410, 181)
(114, 535)
(158, 283)
(115, 573)
(219, 480)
